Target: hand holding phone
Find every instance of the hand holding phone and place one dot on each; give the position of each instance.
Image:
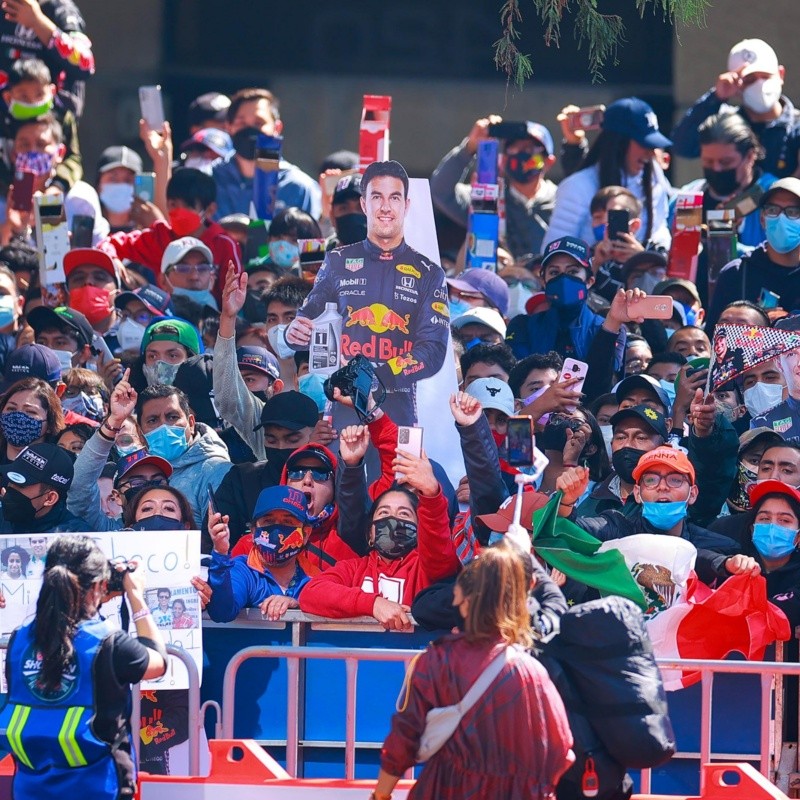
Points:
(409, 440)
(588, 118)
(654, 306)
(22, 196)
(520, 442)
(152, 106)
(574, 369)
(618, 222)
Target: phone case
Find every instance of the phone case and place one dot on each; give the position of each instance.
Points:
(152, 106)
(574, 369)
(655, 306)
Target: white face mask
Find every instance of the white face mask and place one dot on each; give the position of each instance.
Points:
(278, 342)
(203, 164)
(762, 397)
(64, 358)
(518, 295)
(608, 435)
(117, 197)
(761, 96)
(130, 334)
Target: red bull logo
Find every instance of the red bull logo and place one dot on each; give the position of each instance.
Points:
(377, 348)
(400, 363)
(149, 732)
(294, 541)
(378, 318)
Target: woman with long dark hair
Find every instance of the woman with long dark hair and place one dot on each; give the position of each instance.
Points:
(622, 155)
(514, 743)
(69, 673)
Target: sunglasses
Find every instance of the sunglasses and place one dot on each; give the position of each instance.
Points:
(318, 475)
(185, 269)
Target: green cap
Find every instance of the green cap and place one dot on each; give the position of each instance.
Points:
(173, 330)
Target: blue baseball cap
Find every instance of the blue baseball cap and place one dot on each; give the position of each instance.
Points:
(277, 498)
(259, 359)
(31, 360)
(571, 246)
(485, 282)
(215, 140)
(538, 131)
(138, 457)
(635, 119)
(155, 300)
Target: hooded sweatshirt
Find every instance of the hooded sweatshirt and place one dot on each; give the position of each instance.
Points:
(324, 547)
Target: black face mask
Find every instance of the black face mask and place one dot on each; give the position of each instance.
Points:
(157, 523)
(244, 142)
(722, 182)
(17, 507)
(624, 462)
(278, 456)
(254, 309)
(554, 435)
(517, 167)
(394, 537)
(351, 228)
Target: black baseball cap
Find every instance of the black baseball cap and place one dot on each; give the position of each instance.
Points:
(307, 453)
(347, 188)
(208, 107)
(41, 463)
(61, 318)
(155, 300)
(291, 410)
(119, 156)
(646, 382)
(652, 418)
(259, 359)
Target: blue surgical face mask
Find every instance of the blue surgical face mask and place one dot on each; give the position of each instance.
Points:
(566, 291)
(203, 297)
(669, 332)
(7, 310)
(117, 197)
(599, 231)
(311, 385)
(87, 405)
(783, 233)
(283, 254)
(669, 388)
(457, 308)
(664, 516)
(691, 314)
(773, 540)
(167, 441)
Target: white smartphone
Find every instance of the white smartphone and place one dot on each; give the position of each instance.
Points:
(409, 440)
(574, 369)
(52, 237)
(152, 106)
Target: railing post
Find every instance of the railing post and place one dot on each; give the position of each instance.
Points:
(707, 689)
(766, 718)
(351, 669)
(292, 713)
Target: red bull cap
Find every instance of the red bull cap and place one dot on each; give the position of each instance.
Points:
(282, 498)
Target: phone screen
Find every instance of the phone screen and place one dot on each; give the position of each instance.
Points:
(618, 220)
(519, 441)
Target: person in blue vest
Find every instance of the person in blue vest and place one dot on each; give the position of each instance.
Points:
(66, 715)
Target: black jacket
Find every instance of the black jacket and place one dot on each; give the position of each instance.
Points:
(58, 520)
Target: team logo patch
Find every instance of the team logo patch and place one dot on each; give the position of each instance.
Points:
(378, 318)
(782, 425)
(407, 269)
(31, 668)
(441, 308)
(353, 264)
(407, 282)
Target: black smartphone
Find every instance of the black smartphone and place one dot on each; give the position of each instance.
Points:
(519, 441)
(211, 500)
(618, 221)
(509, 131)
(82, 231)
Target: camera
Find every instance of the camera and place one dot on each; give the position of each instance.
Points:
(356, 380)
(117, 576)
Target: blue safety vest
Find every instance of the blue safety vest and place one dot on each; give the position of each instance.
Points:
(50, 733)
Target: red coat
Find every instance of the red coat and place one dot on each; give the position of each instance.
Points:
(349, 589)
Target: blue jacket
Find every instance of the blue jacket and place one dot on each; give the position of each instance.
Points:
(56, 750)
(235, 586)
(537, 333)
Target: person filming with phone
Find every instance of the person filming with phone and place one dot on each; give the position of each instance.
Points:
(66, 714)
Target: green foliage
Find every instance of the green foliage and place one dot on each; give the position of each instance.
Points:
(601, 34)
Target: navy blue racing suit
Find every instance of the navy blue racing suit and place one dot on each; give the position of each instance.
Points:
(394, 310)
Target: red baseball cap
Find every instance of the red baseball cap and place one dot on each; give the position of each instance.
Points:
(504, 516)
(83, 256)
(758, 490)
(664, 456)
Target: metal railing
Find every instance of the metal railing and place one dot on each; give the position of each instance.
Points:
(352, 656)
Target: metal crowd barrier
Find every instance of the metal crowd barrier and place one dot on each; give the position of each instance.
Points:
(768, 671)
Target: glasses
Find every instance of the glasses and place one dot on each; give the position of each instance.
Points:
(318, 475)
(774, 210)
(38, 541)
(142, 317)
(651, 480)
(139, 483)
(185, 269)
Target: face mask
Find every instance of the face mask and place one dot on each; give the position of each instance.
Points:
(8, 311)
(762, 397)
(783, 233)
(160, 372)
(518, 296)
(244, 142)
(283, 254)
(691, 314)
(167, 441)
(130, 334)
(669, 332)
(760, 96)
(624, 462)
(519, 166)
(86, 405)
(278, 341)
(608, 435)
(599, 232)
(157, 523)
(323, 515)
(664, 516)
(127, 450)
(117, 197)
(92, 301)
(64, 359)
(200, 163)
(351, 228)
(457, 308)
(20, 429)
(132, 491)
(184, 221)
(669, 388)
(394, 537)
(278, 543)
(254, 310)
(772, 540)
(203, 297)
(39, 164)
(17, 507)
(22, 111)
(278, 456)
(566, 291)
(500, 442)
(647, 282)
(722, 182)
(311, 385)
(739, 499)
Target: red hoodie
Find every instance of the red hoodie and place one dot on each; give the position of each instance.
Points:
(324, 540)
(146, 247)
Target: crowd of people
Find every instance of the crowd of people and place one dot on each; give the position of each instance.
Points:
(172, 389)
